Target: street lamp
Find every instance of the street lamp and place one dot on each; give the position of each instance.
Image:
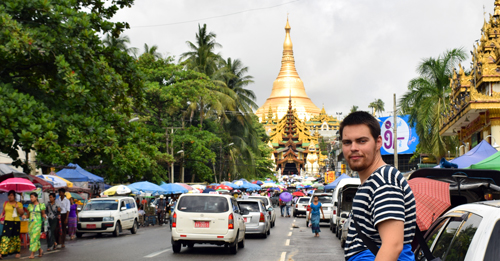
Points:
(221, 161)
(182, 166)
(495, 145)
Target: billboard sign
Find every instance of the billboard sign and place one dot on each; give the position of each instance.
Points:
(407, 138)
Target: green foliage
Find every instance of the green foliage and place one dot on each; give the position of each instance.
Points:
(426, 98)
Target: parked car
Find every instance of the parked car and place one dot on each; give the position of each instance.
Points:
(267, 202)
(467, 232)
(344, 206)
(208, 219)
(108, 215)
(326, 202)
(300, 208)
(344, 228)
(335, 195)
(258, 220)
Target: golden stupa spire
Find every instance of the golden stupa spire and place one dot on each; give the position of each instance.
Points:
(288, 61)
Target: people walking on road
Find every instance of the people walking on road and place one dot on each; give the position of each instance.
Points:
(65, 206)
(11, 240)
(36, 213)
(172, 205)
(314, 217)
(383, 209)
(72, 218)
(282, 207)
(160, 209)
(288, 206)
(52, 210)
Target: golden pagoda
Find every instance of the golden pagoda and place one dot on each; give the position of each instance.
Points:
(474, 110)
(288, 83)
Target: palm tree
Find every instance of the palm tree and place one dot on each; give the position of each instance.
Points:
(426, 98)
(153, 50)
(354, 108)
(377, 106)
(120, 43)
(236, 79)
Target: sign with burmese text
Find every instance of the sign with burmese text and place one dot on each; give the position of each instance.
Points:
(407, 138)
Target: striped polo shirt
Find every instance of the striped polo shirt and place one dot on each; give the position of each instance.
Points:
(384, 195)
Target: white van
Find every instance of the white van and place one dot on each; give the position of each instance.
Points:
(108, 215)
(335, 195)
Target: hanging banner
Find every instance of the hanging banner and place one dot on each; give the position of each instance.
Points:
(407, 138)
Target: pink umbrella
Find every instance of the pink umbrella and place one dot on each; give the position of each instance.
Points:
(186, 186)
(17, 184)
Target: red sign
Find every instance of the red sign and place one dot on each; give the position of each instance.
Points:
(201, 224)
(91, 226)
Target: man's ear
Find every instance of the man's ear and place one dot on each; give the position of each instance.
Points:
(379, 142)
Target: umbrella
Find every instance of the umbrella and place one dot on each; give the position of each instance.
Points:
(74, 196)
(232, 185)
(223, 187)
(147, 187)
(258, 182)
(117, 190)
(317, 185)
(306, 183)
(432, 198)
(298, 194)
(208, 190)
(186, 186)
(56, 181)
(307, 186)
(268, 185)
(285, 197)
(45, 184)
(174, 188)
(17, 184)
(198, 187)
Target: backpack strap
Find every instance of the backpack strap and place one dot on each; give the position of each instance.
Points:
(423, 246)
(368, 242)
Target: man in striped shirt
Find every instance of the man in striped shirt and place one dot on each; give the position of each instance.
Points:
(384, 206)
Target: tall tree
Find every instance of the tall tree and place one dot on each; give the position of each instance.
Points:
(121, 43)
(153, 50)
(377, 106)
(354, 108)
(236, 78)
(426, 98)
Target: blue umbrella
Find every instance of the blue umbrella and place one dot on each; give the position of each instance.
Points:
(230, 184)
(208, 190)
(148, 187)
(336, 182)
(268, 181)
(173, 188)
(308, 186)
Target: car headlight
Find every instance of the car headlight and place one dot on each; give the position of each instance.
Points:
(108, 219)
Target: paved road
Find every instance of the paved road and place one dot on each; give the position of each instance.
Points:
(286, 242)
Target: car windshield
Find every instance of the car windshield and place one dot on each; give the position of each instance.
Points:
(205, 204)
(304, 200)
(323, 199)
(101, 205)
(263, 199)
(250, 206)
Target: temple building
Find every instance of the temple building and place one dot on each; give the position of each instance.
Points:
(474, 111)
(296, 151)
(323, 124)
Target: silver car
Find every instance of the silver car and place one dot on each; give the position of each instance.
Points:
(267, 202)
(257, 221)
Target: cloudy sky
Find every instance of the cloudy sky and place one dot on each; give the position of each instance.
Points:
(347, 52)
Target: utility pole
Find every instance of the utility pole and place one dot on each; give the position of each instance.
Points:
(171, 151)
(395, 132)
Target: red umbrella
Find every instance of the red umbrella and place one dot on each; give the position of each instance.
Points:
(223, 187)
(298, 194)
(432, 198)
(17, 184)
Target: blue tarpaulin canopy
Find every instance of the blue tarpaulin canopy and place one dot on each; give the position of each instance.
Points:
(173, 188)
(477, 154)
(78, 174)
(336, 182)
(148, 187)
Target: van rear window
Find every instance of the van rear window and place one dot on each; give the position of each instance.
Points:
(304, 200)
(203, 204)
(250, 206)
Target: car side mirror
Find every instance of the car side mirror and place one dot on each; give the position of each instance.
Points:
(245, 212)
(270, 209)
(343, 215)
(124, 208)
(335, 204)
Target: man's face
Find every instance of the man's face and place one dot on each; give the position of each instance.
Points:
(61, 194)
(359, 147)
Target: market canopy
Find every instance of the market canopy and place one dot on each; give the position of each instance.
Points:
(336, 182)
(477, 154)
(147, 187)
(6, 169)
(491, 163)
(173, 188)
(77, 174)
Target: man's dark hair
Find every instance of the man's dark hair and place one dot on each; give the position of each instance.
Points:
(52, 194)
(358, 118)
(62, 190)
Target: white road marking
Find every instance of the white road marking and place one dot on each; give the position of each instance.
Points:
(291, 228)
(294, 220)
(287, 243)
(290, 234)
(157, 253)
(283, 256)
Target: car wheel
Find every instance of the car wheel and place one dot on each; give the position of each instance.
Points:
(294, 214)
(242, 243)
(233, 248)
(307, 223)
(116, 233)
(134, 228)
(334, 230)
(342, 242)
(176, 247)
(79, 235)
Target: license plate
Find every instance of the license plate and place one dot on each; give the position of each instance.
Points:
(201, 224)
(91, 226)
(246, 219)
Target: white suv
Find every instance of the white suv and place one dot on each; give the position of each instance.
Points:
(108, 215)
(208, 219)
(326, 203)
